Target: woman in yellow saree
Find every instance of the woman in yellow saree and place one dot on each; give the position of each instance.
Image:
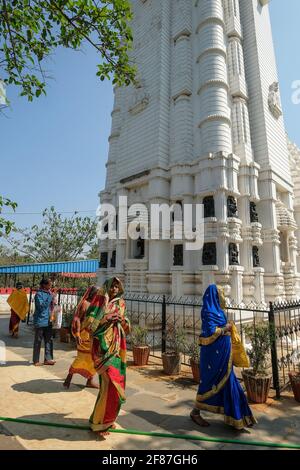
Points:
(83, 363)
(109, 323)
(19, 308)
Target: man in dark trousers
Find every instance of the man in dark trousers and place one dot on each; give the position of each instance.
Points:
(42, 324)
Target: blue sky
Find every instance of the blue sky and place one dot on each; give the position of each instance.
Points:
(53, 151)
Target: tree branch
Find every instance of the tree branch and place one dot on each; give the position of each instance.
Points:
(100, 49)
(6, 18)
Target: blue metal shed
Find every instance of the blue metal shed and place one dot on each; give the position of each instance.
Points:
(84, 266)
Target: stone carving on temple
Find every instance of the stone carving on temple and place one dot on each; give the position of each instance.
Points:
(274, 100)
(233, 255)
(256, 260)
(232, 210)
(140, 98)
(253, 213)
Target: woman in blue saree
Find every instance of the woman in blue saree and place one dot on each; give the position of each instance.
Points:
(219, 390)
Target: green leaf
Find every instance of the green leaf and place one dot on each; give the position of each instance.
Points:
(30, 31)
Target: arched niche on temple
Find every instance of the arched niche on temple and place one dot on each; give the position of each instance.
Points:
(209, 254)
(178, 255)
(209, 206)
(177, 212)
(139, 246)
(103, 259)
(113, 259)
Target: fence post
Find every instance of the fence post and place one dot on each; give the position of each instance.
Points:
(59, 295)
(274, 357)
(29, 311)
(163, 325)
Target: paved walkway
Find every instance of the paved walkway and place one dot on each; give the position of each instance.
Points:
(8, 441)
(155, 402)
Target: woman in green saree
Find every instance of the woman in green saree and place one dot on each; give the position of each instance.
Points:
(109, 324)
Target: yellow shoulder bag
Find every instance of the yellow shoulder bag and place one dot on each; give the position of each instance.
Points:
(239, 355)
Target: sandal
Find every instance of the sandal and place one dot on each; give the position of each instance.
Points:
(199, 420)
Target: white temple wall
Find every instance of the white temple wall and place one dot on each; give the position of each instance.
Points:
(203, 122)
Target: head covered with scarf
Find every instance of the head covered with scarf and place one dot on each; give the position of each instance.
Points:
(103, 302)
(88, 296)
(212, 314)
(79, 315)
(105, 289)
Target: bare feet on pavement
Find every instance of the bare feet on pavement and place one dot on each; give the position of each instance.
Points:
(91, 384)
(104, 434)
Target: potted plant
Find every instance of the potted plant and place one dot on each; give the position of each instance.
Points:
(295, 380)
(257, 380)
(65, 331)
(140, 348)
(194, 353)
(176, 345)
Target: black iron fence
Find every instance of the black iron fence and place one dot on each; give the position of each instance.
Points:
(161, 315)
(286, 355)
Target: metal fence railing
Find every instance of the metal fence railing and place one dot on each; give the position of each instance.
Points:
(286, 318)
(160, 313)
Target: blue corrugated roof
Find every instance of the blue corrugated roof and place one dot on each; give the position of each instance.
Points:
(85, 266)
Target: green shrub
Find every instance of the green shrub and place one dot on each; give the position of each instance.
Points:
(138, 336)
(193, 351)
(261, 336)
(176, 340)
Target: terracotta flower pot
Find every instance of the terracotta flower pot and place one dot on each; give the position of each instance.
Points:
(295, 383)
(65, 335)
(195, 370)
(171, 363)
(257, 387)
(140, 355)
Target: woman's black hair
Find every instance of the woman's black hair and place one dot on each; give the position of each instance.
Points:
(44, 282)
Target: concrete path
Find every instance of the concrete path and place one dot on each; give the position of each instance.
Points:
(155, 402)
(8, 441)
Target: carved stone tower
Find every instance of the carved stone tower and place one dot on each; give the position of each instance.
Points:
(204, 125)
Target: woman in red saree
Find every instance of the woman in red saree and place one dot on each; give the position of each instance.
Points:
(19, 307)
(83, 363)
(108, 321)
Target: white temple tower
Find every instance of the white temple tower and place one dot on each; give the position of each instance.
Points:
(204, 125)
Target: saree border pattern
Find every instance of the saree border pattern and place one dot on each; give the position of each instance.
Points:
(246, 421)
(221, 384)
(211, 339)
(211, 408)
